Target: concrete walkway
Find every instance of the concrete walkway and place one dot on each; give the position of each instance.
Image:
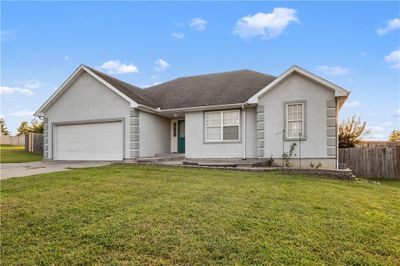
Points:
(9, 170)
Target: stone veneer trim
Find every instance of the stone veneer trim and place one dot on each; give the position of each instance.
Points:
(331, 131)
(260, 131)
(134, 133)
(45, 139)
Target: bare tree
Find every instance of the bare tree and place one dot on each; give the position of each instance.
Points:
(351, 131)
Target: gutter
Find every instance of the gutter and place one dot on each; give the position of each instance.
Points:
(191, 109)
(147, 109)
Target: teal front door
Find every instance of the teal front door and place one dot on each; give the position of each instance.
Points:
(181, 136)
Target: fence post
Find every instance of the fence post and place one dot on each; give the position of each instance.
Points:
(26, 142)
(34, 142)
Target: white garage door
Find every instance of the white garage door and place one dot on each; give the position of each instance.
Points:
(89, 142)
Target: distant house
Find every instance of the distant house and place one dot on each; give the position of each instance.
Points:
(239, 114)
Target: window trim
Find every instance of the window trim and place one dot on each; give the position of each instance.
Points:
(286, 120)
(206, 141)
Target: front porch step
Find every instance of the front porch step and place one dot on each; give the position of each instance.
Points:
(222, 162)
(158, 159)
(210, 164)
(130, 160)
(175, 155)
(218, 164)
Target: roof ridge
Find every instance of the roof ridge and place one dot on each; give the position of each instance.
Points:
(221, 73)
(211, 74)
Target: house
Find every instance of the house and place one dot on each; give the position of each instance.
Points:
(239, 114)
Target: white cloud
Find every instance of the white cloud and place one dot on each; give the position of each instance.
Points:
(334, 70)
(362, 53)
(151, 85)
(161, 65)
(393, 58)
(4, 90)
(265, 25)
(33, 84)
(26, 92)
(397, 113)
(391, 25)
(378, 136)
(377, 129)
(352, 104)
(26, 88)
(178, 35)
(377, 132)
(1, 116)
(198, 24)
(66, 58)
(22, 113)
(116, 67)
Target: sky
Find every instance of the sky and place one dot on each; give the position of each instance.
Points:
(355, 45)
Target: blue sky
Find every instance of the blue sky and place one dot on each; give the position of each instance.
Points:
(355, 45)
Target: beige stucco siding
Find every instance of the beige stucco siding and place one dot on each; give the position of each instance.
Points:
(316, 98)
(154, 134)
(88, 99)
(197, 148)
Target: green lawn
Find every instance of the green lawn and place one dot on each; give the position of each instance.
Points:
(17, 154)
(129, 214)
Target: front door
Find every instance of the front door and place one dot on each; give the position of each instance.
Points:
(181, 136)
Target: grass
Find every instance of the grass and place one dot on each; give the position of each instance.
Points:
(17, 154)
(129, 214)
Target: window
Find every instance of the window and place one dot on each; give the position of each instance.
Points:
(222, 126)
(174, 129)
(295, 120)
(181, 129)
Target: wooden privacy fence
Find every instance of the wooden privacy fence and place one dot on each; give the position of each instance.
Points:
(377, 162)
(12, 140)
(34, 142)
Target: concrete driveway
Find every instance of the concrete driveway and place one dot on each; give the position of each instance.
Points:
(9, 170)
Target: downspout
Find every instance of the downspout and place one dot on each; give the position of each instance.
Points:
(244, 132)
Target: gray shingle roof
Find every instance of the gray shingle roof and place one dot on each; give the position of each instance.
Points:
(204, 90)
(212, 89)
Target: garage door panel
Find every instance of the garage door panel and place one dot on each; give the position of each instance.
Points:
(98, 141)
